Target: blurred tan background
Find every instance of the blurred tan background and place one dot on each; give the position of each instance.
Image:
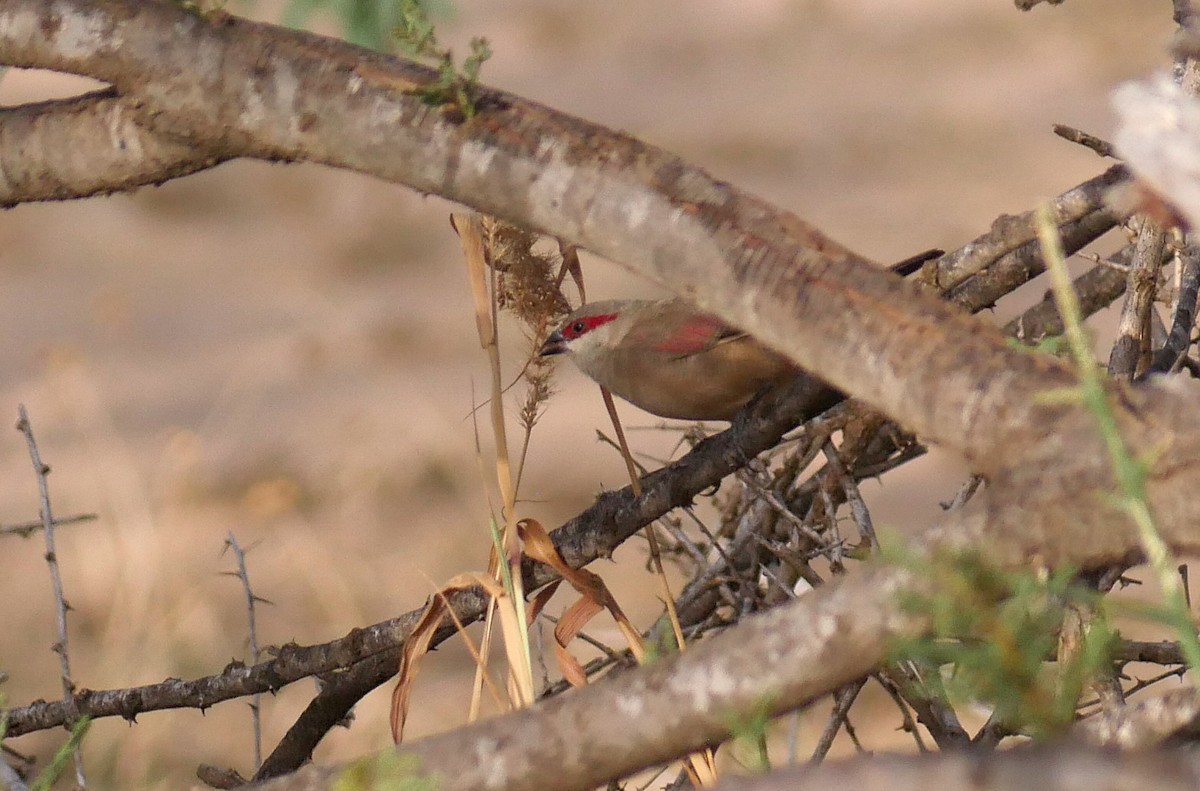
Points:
(289, 352)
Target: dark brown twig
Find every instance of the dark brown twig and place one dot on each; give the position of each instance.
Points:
(1101, 147)
(242, 573)
(26, 529)
(843, 699)
(41, 470)
(1179, 339)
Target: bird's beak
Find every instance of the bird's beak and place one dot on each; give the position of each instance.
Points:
(555, 344)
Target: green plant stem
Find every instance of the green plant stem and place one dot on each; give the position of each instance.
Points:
(1129, 471)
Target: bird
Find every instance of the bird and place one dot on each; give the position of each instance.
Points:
(672, 360)
(667, 358)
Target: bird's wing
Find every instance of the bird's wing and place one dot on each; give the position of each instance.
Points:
(689, 332)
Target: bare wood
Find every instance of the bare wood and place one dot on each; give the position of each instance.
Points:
(1067, 769)
(1145, 722)
(89, 145)
(799, 291)
(1131, 352)
(757, 267)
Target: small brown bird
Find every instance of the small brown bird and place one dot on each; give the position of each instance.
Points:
(667, 358)
(672, 360)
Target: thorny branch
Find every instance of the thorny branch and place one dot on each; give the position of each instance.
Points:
(41, 470)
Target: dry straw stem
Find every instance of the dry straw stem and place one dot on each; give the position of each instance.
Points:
(426, 630)
(508, 550)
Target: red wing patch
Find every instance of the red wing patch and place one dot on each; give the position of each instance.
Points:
(696, 335)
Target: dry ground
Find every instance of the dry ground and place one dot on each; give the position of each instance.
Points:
(289, 352)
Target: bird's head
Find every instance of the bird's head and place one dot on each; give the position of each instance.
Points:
(593, 327)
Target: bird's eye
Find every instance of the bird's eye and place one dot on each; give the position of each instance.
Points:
(578, 327)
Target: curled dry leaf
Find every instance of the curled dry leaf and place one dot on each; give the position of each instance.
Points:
(417, 644)
(594, 597)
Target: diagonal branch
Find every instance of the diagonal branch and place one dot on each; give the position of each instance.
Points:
(595, 533)
(760, 268)
(89, 145)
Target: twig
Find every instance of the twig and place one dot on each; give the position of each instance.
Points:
(1179, 339)
(41, 470)
(938, 717)
(1101, 147)
(1131, 351)
(907, 722)
(1010, 232)
(858, 508)
(965, 493)
(243, 574)
(1021, 265)
(1095, 288)
(843, 699)
(26, 529)
(1130, 473)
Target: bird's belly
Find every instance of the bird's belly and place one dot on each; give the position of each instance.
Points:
(707, 386)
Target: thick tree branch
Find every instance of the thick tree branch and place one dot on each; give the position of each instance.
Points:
(758, 267)
(1068, 769)
(595, 533)
(937, 371)
(89, 145)
(779, 660)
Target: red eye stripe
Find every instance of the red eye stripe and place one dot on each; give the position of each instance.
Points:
(586, 324)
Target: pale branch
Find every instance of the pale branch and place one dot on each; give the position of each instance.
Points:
(1157, 132)
(337, 698)
(753, 265)
(88, 145)
(1131, 352)
(1146, 722)
(1063, 769)
(781, 659)
(1010, 232)
(10, 779)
